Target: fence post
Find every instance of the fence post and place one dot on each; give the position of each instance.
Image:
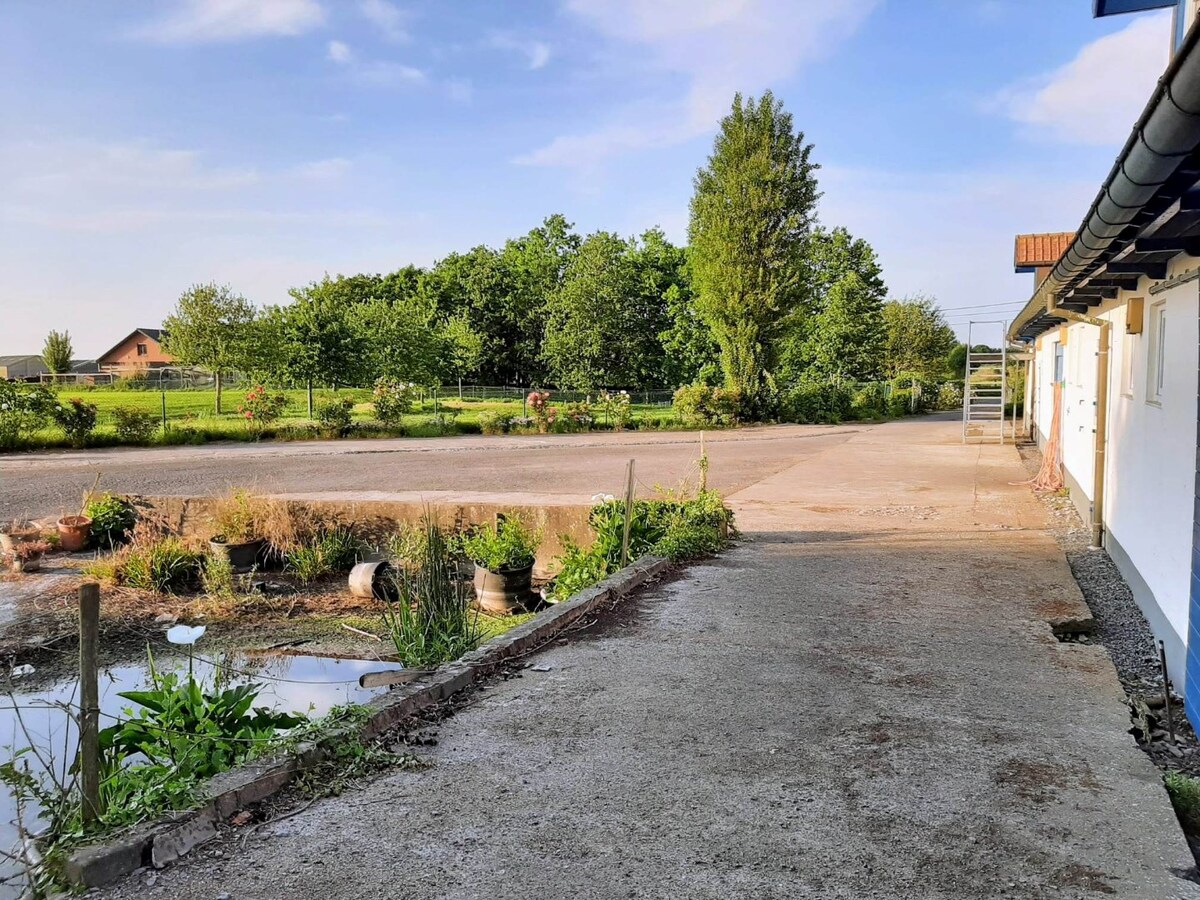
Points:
(164, 408)
(628, 515)
(89, 701)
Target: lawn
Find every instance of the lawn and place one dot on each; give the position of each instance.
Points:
(191, 415)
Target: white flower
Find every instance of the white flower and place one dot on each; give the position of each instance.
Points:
(602, 498)
(184, 634)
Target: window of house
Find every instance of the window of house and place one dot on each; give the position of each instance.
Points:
(142, 350)
(1156, 370)
(1059, 369)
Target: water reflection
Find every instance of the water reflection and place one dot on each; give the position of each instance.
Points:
(312, 685)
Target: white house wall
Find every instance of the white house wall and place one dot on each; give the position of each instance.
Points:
(1151, 457)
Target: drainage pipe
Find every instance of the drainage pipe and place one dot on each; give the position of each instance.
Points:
(1100, 441)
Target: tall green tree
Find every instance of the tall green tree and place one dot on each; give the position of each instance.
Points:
(211, 328)
(751, 215)
(57, 352)
(396, 341)
(832, 257)
(462, 348)
(315, 340)
(847, 338)
(594, 337)
(918, 340)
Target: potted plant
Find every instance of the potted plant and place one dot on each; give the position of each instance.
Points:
(503, 556)
(15, 533)
(74, 532)
(238, 530)
(27, 556)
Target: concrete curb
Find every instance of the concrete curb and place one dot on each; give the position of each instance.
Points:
(162, 842)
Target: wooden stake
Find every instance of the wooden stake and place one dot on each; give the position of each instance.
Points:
(628, 515)
(89, 701)
(1162, 661)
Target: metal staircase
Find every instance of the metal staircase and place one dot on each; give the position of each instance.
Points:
(985, 390)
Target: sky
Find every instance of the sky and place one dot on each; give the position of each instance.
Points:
(147, 145)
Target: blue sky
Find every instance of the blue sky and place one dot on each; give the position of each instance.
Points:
(146, 145)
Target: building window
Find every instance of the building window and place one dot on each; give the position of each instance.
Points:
(142, 350)
(1156, 370)
(1058, 362)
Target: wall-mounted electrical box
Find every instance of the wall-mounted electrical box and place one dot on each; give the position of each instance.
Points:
(1134, 313)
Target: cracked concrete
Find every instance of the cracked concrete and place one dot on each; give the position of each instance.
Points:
(864, 700)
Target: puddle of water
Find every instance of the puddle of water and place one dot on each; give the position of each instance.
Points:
(311, 685)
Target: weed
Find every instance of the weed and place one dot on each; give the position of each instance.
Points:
(334, 550)
(1184, 791)
(217, 577)
(431, 622)
(151, 562)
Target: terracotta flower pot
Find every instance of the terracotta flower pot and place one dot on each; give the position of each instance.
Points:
(74, 532)
(242, 557)
(505, 591)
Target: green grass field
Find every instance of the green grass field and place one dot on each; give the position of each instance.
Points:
(191, 416)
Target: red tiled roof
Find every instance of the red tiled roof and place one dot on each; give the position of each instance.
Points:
(1041, 249)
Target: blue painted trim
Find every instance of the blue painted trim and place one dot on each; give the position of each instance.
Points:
(1101, 8)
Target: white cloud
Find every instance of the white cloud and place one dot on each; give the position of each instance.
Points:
(195, 21)
(536, 53)
(1097, 96)
(388, 74)
(717, 47)
(339, 52)
(105, 187)
(387, 17)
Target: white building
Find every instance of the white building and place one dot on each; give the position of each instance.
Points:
(1114, 326)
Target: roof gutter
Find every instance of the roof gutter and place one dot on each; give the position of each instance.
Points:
(1167, 132)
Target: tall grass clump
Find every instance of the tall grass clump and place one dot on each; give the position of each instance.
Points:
(151, 561)
(431, 621)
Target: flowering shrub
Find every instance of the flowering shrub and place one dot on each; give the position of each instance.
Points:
(543, 414)
(392, 399)
(23, 408)
(261, 407)
(134, 426)
(618, 410)
(76, 418)
(579, 416)
(335, 415)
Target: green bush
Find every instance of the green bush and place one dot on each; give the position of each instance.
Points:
(870, 402)
(495, 421)
(134, 426)
(76, 418)
(336, 415)
(261, 407)
(1184, 791)
(900, 403)
(679, 529)
(502, 547)
(23, 409)
(816, 403)
(701, 404)
(112, 518)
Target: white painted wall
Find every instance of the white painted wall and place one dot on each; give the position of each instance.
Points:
(1151, 463)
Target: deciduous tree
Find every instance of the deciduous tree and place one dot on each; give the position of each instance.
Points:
(211, 328)
(751, 215)
(57, 352)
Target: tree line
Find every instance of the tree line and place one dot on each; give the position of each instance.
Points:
(762, 298)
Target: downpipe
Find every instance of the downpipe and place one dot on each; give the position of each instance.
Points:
(1100, 441)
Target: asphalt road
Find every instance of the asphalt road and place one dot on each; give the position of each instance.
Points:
(41, 484)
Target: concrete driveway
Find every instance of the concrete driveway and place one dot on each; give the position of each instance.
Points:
(864, 700)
